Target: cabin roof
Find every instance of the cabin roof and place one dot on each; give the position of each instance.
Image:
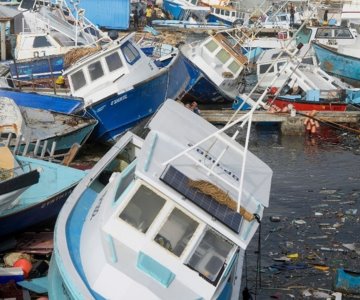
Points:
(221, 39)
(8, 13)
(178, 133)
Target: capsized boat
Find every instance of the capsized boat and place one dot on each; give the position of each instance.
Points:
(32, 190)
(168, 217)
(53, 131)
(216, 65)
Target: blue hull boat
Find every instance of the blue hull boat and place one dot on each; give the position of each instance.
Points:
(332, 61)
(119, 86)
(54, 103)
(347, 281)
(38, 68)
(40, 201)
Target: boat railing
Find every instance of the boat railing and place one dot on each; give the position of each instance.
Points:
(42, 24)
(47, 85)
(41, 149)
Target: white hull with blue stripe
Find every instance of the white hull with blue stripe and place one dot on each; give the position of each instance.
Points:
(140, 225)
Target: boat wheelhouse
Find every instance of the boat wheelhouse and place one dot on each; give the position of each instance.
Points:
(121, 85)
(331, 36)
(154, 227)
(218, 62)
(272, 58)
(48, 31)
(226, 14)
(182, 9)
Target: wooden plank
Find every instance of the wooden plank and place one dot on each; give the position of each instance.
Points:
(222, 116)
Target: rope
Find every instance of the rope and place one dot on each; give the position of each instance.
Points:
(332, 124)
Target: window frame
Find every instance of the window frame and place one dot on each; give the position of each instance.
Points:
(72, 81)
(131, 197)
(189, 242)
(131, 47)
(90, 72)
(107, 64)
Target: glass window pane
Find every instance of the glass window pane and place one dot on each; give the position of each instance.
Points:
(176, 232)
(41, 41)
(130, 53)
(223, 56)
(210, 256)
(342, 33)
(217, 11)
(234, 67)
(142, 209)
(263, 68)
(227, 13)
(78, 80)
(113, 61)
(95, 70)
(211, 46)
(323, 33)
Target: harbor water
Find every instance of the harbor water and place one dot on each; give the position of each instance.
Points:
(314, 211)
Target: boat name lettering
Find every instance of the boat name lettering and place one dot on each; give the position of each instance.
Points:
(116, 101)
(96, 209)
(207, 156)
(57, 198)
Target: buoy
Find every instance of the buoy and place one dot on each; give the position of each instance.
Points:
(60, 80)
(313, 129)
(25, 265)
(272, 90)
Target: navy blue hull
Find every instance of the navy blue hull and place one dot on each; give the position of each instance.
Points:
(118, 113)
(41, 212)
(37, 68)
(203, 90)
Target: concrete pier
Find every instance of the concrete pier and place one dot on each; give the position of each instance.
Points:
(289, 125)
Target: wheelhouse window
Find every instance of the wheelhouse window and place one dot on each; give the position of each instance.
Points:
(280, 65)
(210, 256)
(211, 46)
(78, 80)
(95, 70)
(41, 41)
(223, 56)
(113, 61)
(193, 2)
(233, 14)
(234, 67)
(176, 232)
(343, 33)
(227, 13)
(130, 52)
(217, 11)
(263, 68)
(142, 209)
(324, 33)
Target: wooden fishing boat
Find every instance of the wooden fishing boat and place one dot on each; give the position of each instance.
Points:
(35, 190)
(24, 127)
